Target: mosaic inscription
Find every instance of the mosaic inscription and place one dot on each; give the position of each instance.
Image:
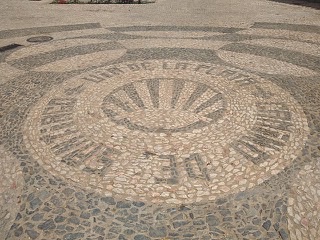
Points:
(166, 131)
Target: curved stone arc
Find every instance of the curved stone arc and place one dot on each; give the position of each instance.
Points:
(286, 26)
(82, 61)
(54, 45)
(167, 43)
(283, 34)
(289, 56)
(176, 28)
(281, 51)
(285, 44)
(263, 64)
(171, 34)
(65, 55)
(48, 29)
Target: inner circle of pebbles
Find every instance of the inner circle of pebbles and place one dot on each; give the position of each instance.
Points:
(166, 131)
(162, 112)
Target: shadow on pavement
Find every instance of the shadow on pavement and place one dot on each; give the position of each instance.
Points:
(307, 3)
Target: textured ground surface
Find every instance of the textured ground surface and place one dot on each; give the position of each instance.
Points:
(172, 120)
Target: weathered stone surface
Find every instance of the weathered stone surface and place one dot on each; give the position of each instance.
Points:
(32, 234)
(158, 232)
(47, 225)
(73, 236)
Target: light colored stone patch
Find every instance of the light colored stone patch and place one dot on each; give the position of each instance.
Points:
(79, 33)
(11, 183)
(173, 34)
(172, 43)
(51, 46)
(73, 134)
(165, 94)
(81, 61)
(264, 64)
(304, 203)
(17, 40)
(286, 34)
(8, 72)
(307, 48)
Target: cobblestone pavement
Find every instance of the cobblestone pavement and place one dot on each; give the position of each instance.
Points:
(160, 132)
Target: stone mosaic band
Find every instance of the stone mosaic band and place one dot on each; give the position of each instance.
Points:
(44, 30)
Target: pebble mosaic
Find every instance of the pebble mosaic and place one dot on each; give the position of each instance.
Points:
(215, 138)
(186, 132)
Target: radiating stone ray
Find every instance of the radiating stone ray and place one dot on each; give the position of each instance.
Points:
(113, 110)
(215, 115)
(203, 98)
(178, 86)
(117, 102)
(153, 86)
(144, 94)
(132, 93)
(201, 89)
(126, 100)
(217, 98)
(189, 88)
(64, 146)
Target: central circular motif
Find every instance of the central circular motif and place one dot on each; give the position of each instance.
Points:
(166, 131)
(161, 111)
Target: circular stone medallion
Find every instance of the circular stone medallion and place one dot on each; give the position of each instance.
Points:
(166, 131)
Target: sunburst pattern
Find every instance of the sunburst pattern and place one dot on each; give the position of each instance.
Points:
(161, 105)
